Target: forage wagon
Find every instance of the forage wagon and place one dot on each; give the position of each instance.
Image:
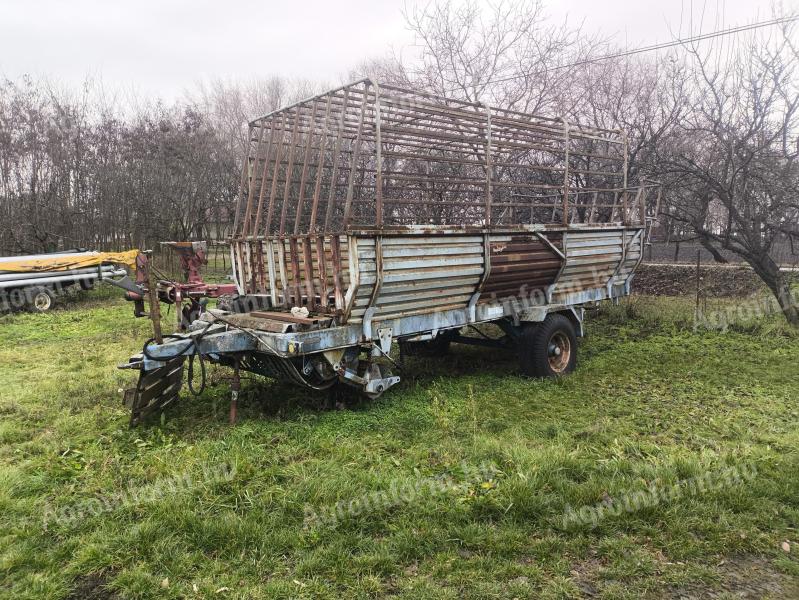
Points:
(372, 214)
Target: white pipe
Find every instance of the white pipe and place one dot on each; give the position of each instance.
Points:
(9, 275)
(49, 280)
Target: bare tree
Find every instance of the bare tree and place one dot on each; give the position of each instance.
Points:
(74, 172)
(497, 54)
(229, 104)
(730, 163)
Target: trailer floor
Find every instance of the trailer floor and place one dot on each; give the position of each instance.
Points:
(194, 508)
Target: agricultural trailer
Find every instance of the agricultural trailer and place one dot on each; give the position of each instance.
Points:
(35, 280)
(372, 214)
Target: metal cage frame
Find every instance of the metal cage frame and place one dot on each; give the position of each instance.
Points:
(368, 156)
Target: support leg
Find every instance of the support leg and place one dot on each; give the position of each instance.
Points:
(235, 387)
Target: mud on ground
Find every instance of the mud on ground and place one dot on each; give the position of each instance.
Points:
(719, 281)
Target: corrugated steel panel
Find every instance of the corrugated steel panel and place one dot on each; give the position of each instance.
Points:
(418, 274)
(592, 259)
(632, 256)
(367, 275)
(521, 261)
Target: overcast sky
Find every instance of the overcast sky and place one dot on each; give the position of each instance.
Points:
(162, 47)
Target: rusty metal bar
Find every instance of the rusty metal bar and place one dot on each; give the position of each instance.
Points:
(304, 175)
(335, 252)
(251, 259)
(319, 170)
(251, 192)
(259, 254)
(378, 160)
(245, 167)
(289, 171)
(334, 173)
(273, 192)
(263, 182)
(322, 265)
(294, 257)
(281, 265)
(488, 168)
(354, 165)
(308, 270)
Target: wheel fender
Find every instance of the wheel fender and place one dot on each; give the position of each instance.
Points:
(537, 314)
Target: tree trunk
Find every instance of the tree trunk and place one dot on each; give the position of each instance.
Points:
(778, 283)
(708, 245)
(779, 286)
(788, 305)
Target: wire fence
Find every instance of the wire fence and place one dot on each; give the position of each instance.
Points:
(661, 252)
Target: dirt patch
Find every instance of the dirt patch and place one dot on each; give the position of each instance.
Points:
(742, 577)
(92, 587)
(715, 281)
(585, 574)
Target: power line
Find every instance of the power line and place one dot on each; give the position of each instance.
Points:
(660, 46)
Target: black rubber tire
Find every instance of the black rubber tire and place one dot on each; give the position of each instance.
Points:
(40, 299)
(439, 346)
(536, 357)
(225, 303)
(340, 396)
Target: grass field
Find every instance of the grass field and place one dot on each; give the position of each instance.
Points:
(192, 507)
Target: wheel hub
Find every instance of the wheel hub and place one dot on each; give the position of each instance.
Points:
(559, 352)
(42, 301)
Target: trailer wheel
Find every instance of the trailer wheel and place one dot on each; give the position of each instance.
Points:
(40, 299)
(548, 349)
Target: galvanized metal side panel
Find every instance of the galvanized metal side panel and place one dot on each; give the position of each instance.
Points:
(418, 274)
(592, 259)
(401, 274)
(632, 255)
(367, 276)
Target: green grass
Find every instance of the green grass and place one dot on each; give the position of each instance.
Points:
(652, 403)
